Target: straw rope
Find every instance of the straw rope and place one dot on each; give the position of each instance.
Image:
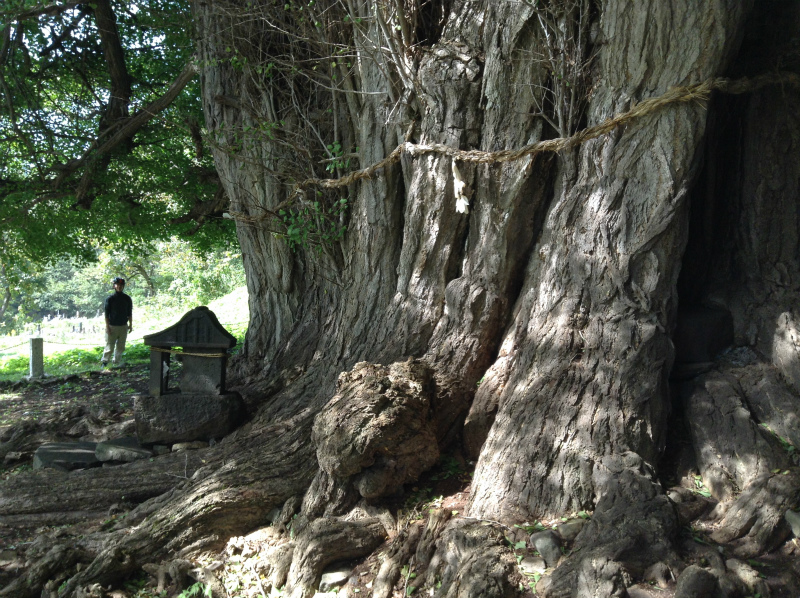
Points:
(176, 352)
(70, 344)
(3, 349)
(699, 93)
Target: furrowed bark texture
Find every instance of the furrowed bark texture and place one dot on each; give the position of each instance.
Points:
(555, 295)
(743, 257)
(590, 343)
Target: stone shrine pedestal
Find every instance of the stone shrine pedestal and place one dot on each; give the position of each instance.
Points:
(200, 408)
(182, 417)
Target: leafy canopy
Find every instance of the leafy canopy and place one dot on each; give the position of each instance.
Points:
(100, 144)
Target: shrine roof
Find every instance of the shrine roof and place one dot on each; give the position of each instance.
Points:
(197, 329)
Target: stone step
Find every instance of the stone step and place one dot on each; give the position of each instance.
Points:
(125, 449)
(66, 456)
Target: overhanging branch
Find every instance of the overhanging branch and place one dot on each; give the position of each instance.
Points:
(125, 131)
(38, 11)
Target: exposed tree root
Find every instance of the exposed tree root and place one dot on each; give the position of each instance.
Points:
(741, 462)
(325, 541)
(377, 433)
(29, 585)
(754, 523)
(399, 554)
(632, 529)
(471, 559)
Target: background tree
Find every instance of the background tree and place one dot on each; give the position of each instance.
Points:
(101, 142)
(557, 287)
(161, 275)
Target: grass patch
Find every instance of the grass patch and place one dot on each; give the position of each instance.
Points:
(231, 310)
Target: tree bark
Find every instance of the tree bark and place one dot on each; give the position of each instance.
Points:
(545, 311)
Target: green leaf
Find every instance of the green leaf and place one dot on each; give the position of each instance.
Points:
(520, 545)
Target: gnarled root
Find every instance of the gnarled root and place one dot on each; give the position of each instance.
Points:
(754, 523)
(471, 560)
(324, 541)
(30, 585)
(398, 555)
(632, 529)
(735, 453)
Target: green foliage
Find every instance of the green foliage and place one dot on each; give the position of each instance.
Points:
(161, 275)
(448, 467)
(699, 487)
(338, 162)
(54, 105)
(65, 362)
(535, 527)
(196, 590)
(784, 442)
(313, 223)
(231, 308)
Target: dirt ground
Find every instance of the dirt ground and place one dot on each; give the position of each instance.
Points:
(102, 393)
(77, 407)
(95, 404)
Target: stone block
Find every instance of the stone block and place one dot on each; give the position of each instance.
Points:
(548, 544)
(333, 579)
(125, 449)
(202, 375)
(65, 456)
(793, 519)
(172, 418)
(531, 565)
(182, 447)
(569, 530)
(696, 582)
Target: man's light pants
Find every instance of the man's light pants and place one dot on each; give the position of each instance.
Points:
(117, 337)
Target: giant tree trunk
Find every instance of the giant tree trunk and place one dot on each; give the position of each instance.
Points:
(557, 293)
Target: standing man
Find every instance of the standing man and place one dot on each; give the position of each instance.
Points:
(119, 313)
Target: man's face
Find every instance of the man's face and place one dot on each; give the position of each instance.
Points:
(119, 286)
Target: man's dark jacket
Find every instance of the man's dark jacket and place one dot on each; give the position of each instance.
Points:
(118, 309)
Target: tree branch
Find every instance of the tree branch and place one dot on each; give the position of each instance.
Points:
(125, 131)
(58, 41)
(38, 11)
(115, 61)
(202, 209)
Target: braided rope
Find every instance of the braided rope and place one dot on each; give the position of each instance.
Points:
(177, 352)
(73, 344)
(699, 93)
(3, 349)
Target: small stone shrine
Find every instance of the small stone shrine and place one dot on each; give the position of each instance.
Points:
(199, 408)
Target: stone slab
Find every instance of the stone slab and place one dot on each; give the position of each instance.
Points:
(181, 417)
(531, 565)
(180, 447)
(548, 544)
(65, 456)
(333, 579)
(203, 375)
(793, 519)
(125, 449)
